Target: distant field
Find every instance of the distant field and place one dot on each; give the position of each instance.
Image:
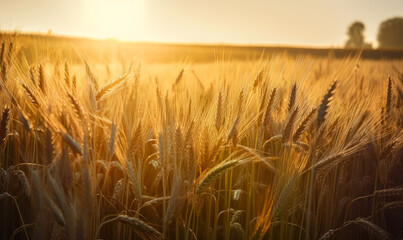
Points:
(109, 140)
(155, 52)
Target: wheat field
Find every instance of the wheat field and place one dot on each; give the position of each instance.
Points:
(276, 147)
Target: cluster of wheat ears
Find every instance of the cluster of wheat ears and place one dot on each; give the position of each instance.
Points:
(280, 147)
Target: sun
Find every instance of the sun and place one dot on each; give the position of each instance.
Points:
(114, 18)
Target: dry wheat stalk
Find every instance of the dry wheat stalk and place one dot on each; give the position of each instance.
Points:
(110, 88)
(261, 107)
(76, 106)
(4, 125)
(386, 150)
(2, 53)
(31, 97)
(66, 74)
(288, 127)
(216, 171)
(136, 142)
(135, 185)
(102, 165)
(232, 132)
(174, 202)
(292, 97)
(138, 224)
(71, 143)
(117, 190)
(391, 192)
(389, 97)
(284, 200)
(241, 100)
(303, 125)
(400, 92)
(74, 82)
(155, 201)
(219, 112)
(269, 109)
(4, 72)
(258, 79)
(91, 75)
(41, 77)
(111, 145)
(268, 161)
(178, 78)
(10, 52)
(32, 75)
(115, 165)
(322, 111)
(24, 121)
(23, 181)
(198, 81)
(372, 228)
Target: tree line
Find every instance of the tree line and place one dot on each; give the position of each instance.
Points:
(390, 34)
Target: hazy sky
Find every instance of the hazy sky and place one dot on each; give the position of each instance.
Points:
(287, 22)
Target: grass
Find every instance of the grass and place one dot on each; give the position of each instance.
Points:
(276, 147)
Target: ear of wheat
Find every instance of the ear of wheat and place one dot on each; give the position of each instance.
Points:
(322, 111)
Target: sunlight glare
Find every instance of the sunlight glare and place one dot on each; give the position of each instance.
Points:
(118, 18)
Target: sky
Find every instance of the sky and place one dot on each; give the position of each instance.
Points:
(321, 23)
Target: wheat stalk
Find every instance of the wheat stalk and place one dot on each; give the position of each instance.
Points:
(135, 185)
(216, 171)
(32, 75)
(178, 78)
(41, 76)
(258, 79)
(24, 121)
(117, 190)
(391, 192)
(76, 106)
(74, 82)
(372, 228)
(288, 127)
(22, 179)
(400, 92)
(66, 74)
(233, 129)
(174, 203)
(268, 161)
(198, 80)
(2, 53)
(10, 52)
(268, 112)
(241, 100)
(111, 145)
(110, 88)
(389, 97)
(219, 112)
(303, 125)
(292, 97)
(322, 111)
(71, 143)
(138, 224)
(4, 125)
(91, 75)
(32, 98)
(4, 72)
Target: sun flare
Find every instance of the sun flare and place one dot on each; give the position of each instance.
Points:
(114, 18)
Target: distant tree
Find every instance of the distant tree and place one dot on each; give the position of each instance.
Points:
(355, 36)
(390, 33)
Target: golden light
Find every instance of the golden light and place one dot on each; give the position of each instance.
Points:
(117, 18)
